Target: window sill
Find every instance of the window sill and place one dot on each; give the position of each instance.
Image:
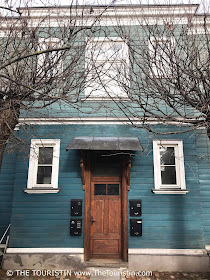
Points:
(207, 247)
(41, 190)
(170, 191)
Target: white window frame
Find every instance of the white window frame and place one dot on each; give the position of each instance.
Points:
(156, 58)
(32, 186)
(43, 45)
(90, 46)
(180, 187)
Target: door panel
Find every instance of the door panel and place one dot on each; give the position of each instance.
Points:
(106, 219)
(114, 219)
(109, 246)
(98, 225)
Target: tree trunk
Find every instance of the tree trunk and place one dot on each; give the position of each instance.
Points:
(8, 120)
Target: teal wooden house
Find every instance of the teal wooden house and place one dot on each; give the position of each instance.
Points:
(92, 183)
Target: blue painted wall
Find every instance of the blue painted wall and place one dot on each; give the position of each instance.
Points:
(203, 152)
(7, 175)
(169, 221)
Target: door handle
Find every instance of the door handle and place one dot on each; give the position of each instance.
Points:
(92, 221)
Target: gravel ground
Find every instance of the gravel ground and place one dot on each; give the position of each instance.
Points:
(155, 276)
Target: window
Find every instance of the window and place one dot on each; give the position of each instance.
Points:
(106, 189)
(169, 170)
(107, 67)
(50, 63)
(43, 166)
(161, 56)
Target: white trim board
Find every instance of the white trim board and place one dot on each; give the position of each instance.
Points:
(130, 20)
(110, 15)
(94, 120)
(188, 252)
(41, 190)
(168, 191)
(45, 250)
(118, 10)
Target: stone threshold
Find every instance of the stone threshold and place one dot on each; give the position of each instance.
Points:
(111, 263)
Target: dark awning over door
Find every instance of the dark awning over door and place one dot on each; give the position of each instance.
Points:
(105, 143)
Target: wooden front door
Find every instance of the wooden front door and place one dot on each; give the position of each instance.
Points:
(106, 183)
(106, 228)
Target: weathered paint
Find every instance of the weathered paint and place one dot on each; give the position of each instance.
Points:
(169, 221)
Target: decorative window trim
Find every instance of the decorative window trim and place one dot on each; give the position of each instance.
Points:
(89, 92)
(180, 187)
(32, 186)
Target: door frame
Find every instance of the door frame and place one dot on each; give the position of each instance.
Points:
(85, 164)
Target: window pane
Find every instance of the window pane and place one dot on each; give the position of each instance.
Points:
(44, 174)
(100, 189)
(107, 65)
(113, 189)
(106, 50)
(45, 155)
(168, 175)
(105, 78)
(167, 156)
